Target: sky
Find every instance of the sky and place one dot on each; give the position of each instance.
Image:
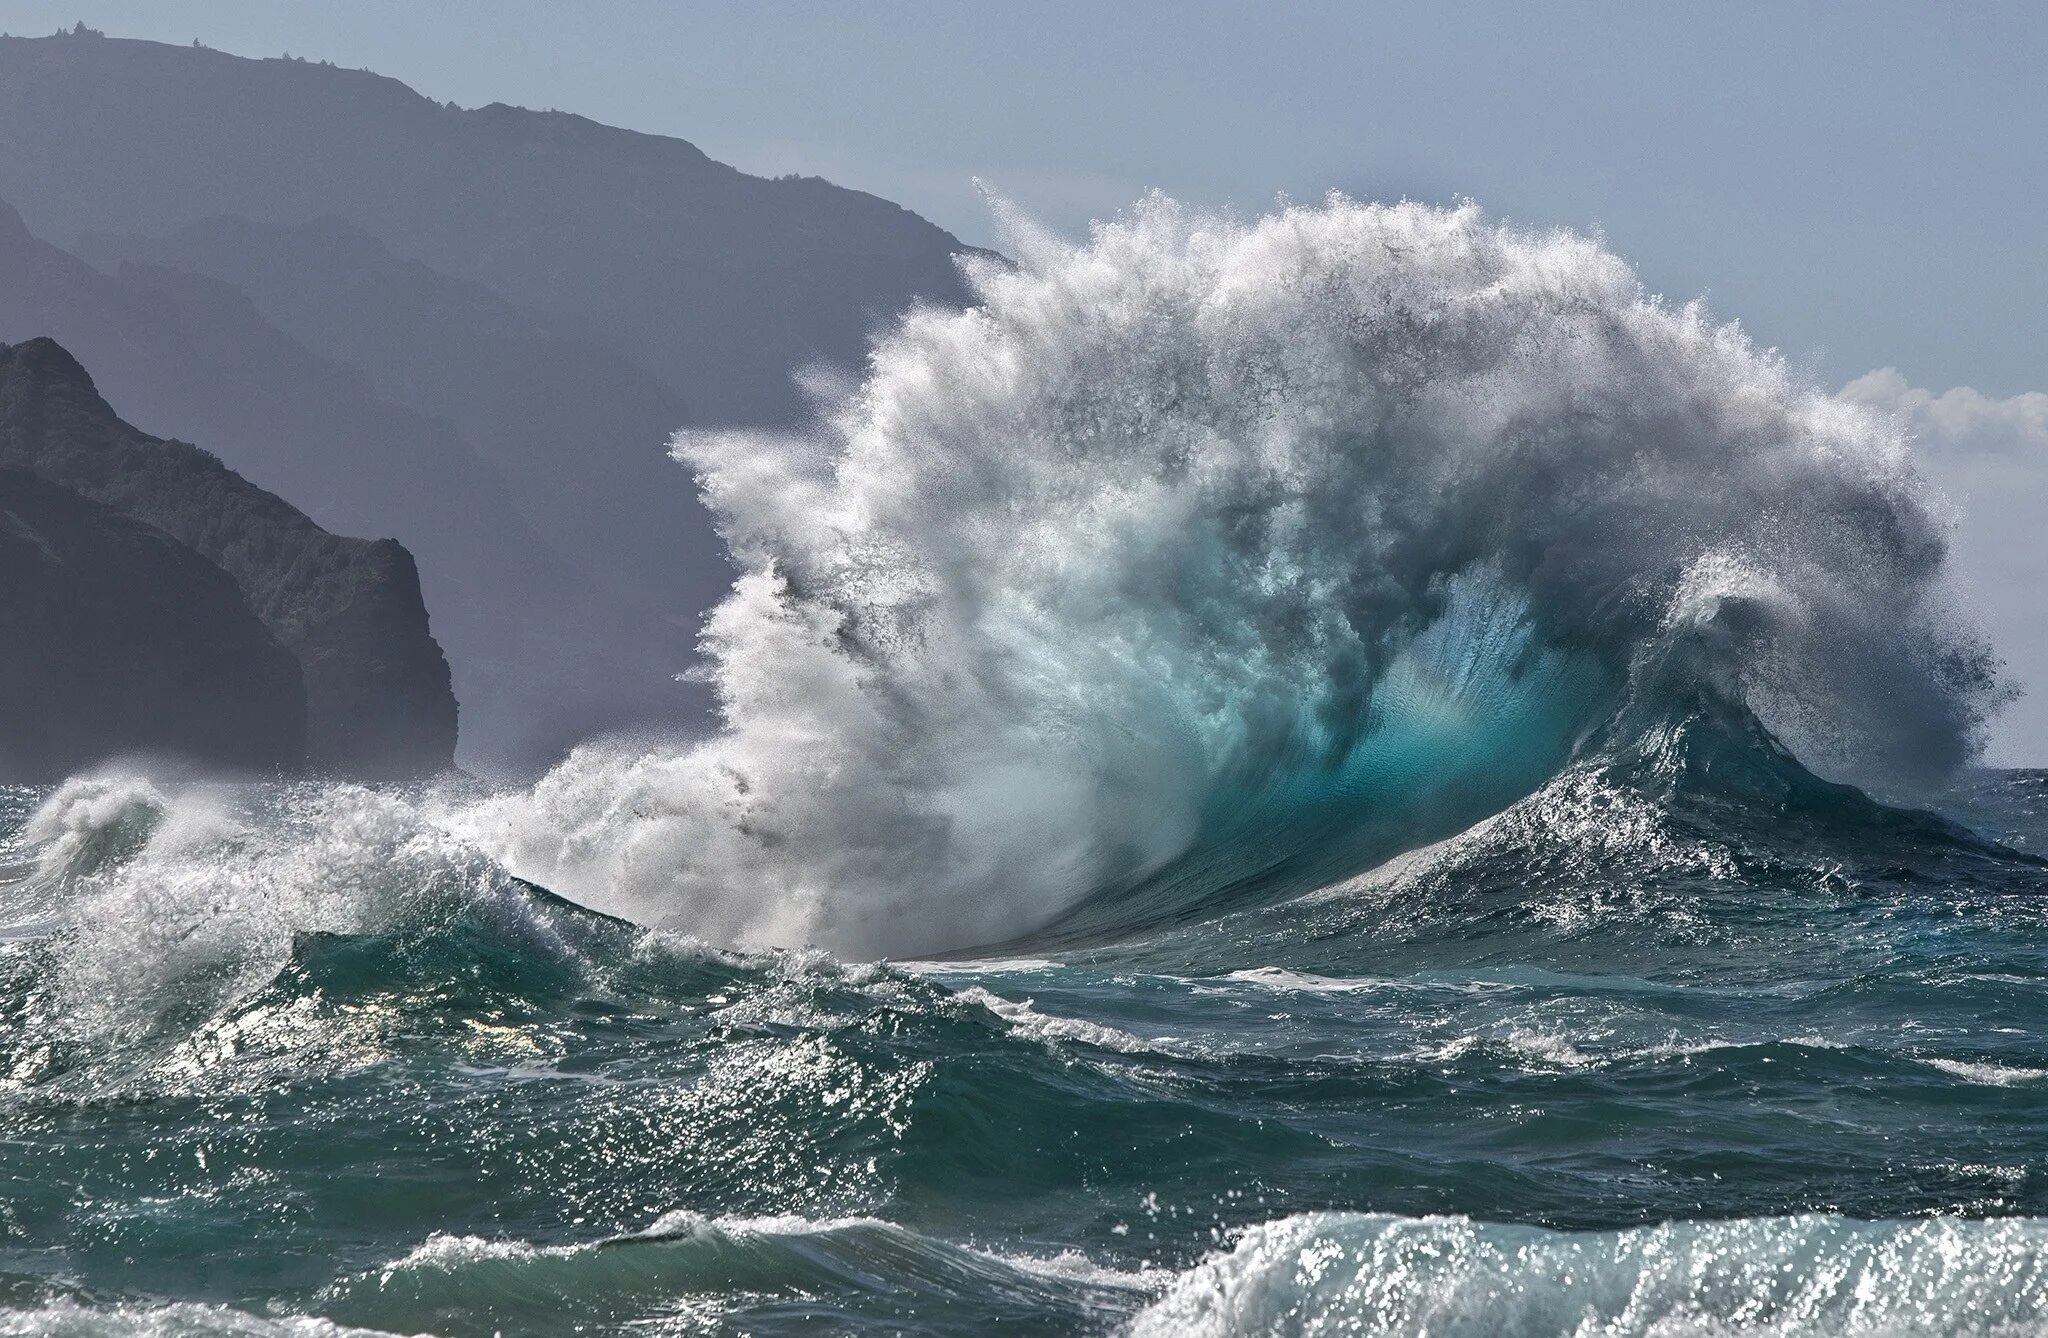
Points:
(1864, 186)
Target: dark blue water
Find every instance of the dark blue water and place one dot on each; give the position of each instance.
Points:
(1683, 1043)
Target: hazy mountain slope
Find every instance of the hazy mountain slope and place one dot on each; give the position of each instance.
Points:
(377, 694)
(540, 655)
(115, 638)
(193, 358)
(717, 281)
(578, 432)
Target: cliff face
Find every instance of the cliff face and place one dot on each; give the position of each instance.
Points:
(377, 697)
(540, 651)
(117, 639)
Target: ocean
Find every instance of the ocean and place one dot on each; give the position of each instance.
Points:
(1606, 1064)
(1347, 773)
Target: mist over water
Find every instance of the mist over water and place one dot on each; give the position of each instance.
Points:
(1357, 519)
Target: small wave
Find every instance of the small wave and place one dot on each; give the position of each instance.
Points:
(1028, 1021)
(1819, 1277)
(166, 915)
(980, 966)
(693, 1273)
(1548, 1049)
(66, 1319)
(1302, 982)
(90, 821)
(1986, 1074)
(1539, 1049)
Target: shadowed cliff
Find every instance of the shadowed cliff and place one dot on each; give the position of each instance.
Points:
(377, 695)
(541, 650)
(117, 639)
(472, 330)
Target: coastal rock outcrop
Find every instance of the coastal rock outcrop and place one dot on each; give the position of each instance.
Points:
(378, 702)
(117, 639)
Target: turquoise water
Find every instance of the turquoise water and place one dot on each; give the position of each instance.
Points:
(1660, 1049)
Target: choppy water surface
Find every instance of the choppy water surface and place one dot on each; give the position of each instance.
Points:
(1608, 1063)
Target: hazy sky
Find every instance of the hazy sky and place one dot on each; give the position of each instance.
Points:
(1863, 186)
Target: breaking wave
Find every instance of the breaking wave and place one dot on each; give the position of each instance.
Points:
(1215, 560)
(840, 1269)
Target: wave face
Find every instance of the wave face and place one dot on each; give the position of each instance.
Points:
(1215, 559)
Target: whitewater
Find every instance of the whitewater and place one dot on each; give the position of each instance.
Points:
(1351, 771)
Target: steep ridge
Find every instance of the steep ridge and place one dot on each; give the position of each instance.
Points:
(192, 357)
(539, 653)
(115, 638)
(378, 700)
(720, 282)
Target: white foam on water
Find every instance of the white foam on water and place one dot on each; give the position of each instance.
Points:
(175, 901)
(1028, 1021)
(1985, 1074)
(1306, 982)
(65, 1319)
(1327, 1274)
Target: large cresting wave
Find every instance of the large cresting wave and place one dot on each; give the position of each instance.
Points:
(1215, 558)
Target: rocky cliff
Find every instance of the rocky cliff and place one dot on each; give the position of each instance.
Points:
(377, 693)
(116, 639)
(540, 652)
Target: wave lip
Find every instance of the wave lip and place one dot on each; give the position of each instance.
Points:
(1369, 1274)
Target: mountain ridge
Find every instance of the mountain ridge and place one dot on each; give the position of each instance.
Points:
(531, 302)
(576, 433)
(720, 282)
